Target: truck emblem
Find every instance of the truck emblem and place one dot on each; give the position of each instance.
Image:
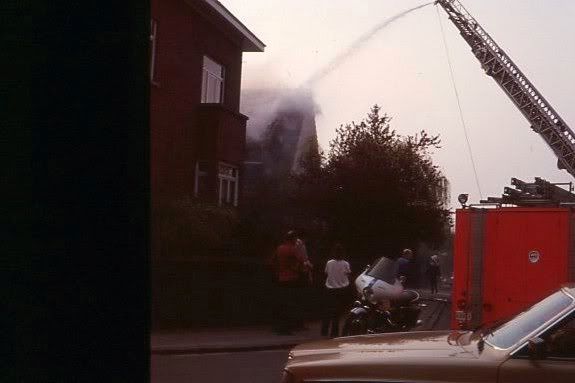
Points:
(534, 256)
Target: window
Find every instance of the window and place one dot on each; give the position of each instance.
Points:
(212, 81)
(518, 328)
(153, 38)
(384, 269)
(227, 185)
(560, 340)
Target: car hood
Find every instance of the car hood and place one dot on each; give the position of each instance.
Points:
(413, 356)
(432, 344)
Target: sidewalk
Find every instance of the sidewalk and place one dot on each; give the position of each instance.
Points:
(230, 340)
(257, 338)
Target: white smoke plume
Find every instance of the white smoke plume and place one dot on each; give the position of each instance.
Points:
(264, 106)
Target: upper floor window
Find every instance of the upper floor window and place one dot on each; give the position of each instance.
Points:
(153, 42)
(212, 81)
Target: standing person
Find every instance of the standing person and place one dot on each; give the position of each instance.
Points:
(289, 262)
(306, 272)
(433, 273)
(337, 282)
(305, 281)
(404, 266)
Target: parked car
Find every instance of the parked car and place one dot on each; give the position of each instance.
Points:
(537, 345)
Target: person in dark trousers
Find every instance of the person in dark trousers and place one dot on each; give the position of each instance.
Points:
(305, 284)
(404, 271)
(289, 264)
(433, 273)
(306, 275)
(337, 283)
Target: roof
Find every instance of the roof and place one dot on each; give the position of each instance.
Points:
(250, 43)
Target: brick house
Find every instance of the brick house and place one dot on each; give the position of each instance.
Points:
(197, 132)
(197, 139)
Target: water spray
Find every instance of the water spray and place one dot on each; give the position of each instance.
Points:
(354, 47)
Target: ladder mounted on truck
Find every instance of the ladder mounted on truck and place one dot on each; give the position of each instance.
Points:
(540, 114)
(538, 193)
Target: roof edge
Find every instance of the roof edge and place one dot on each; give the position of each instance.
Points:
(251, 42)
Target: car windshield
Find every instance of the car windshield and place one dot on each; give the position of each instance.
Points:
(524, 324)
(384, 269)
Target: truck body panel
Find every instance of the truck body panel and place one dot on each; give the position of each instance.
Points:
(506, 259)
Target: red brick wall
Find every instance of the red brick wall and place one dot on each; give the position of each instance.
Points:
(183, 37)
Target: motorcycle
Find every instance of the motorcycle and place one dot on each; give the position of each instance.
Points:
(384, 305)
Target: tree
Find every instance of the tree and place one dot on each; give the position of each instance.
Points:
(378, 191)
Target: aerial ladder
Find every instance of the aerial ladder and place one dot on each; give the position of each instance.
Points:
(497, 64)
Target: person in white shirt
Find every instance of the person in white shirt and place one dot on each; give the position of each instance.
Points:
(337, 284)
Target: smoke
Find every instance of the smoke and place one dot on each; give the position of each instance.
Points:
(264, 106)
(354, 47)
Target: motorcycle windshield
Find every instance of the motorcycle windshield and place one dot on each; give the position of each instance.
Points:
(384, 269)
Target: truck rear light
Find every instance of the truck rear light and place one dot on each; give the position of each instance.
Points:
(462, 318)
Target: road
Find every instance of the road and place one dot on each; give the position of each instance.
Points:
(238, 367)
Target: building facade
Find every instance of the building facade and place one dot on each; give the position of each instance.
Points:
(197, 132)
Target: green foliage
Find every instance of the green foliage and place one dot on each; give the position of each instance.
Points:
(377, 190)
(186, 228)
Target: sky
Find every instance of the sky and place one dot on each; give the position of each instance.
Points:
(404, 69)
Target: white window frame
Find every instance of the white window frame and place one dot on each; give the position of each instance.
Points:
(209, 76)
(197, 174)
(224, 178)
(153, 46)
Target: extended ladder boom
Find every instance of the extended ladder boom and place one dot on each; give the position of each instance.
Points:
(542, 117)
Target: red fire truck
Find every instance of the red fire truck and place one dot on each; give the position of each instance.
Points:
(520, 247)
(506, 259)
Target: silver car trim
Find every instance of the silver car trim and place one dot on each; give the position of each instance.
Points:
(569, 292)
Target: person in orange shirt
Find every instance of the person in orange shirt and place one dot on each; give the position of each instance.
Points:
(290, 264)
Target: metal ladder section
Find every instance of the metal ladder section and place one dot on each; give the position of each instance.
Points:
(542, 117)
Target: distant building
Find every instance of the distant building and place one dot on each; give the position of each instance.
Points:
(197, 131)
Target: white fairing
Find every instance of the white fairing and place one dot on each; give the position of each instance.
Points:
(381, 290)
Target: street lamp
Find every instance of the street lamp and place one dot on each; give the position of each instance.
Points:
(462, 198)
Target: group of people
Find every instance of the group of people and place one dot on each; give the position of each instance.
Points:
(294, 271)
(432, 270)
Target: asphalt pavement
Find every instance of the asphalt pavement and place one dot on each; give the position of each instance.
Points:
(238, 367)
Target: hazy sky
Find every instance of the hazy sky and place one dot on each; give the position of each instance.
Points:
(404, 69)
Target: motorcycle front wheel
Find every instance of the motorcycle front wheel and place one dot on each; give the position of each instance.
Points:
(354, 325)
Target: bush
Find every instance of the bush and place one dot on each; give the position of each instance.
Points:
(188, 227)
